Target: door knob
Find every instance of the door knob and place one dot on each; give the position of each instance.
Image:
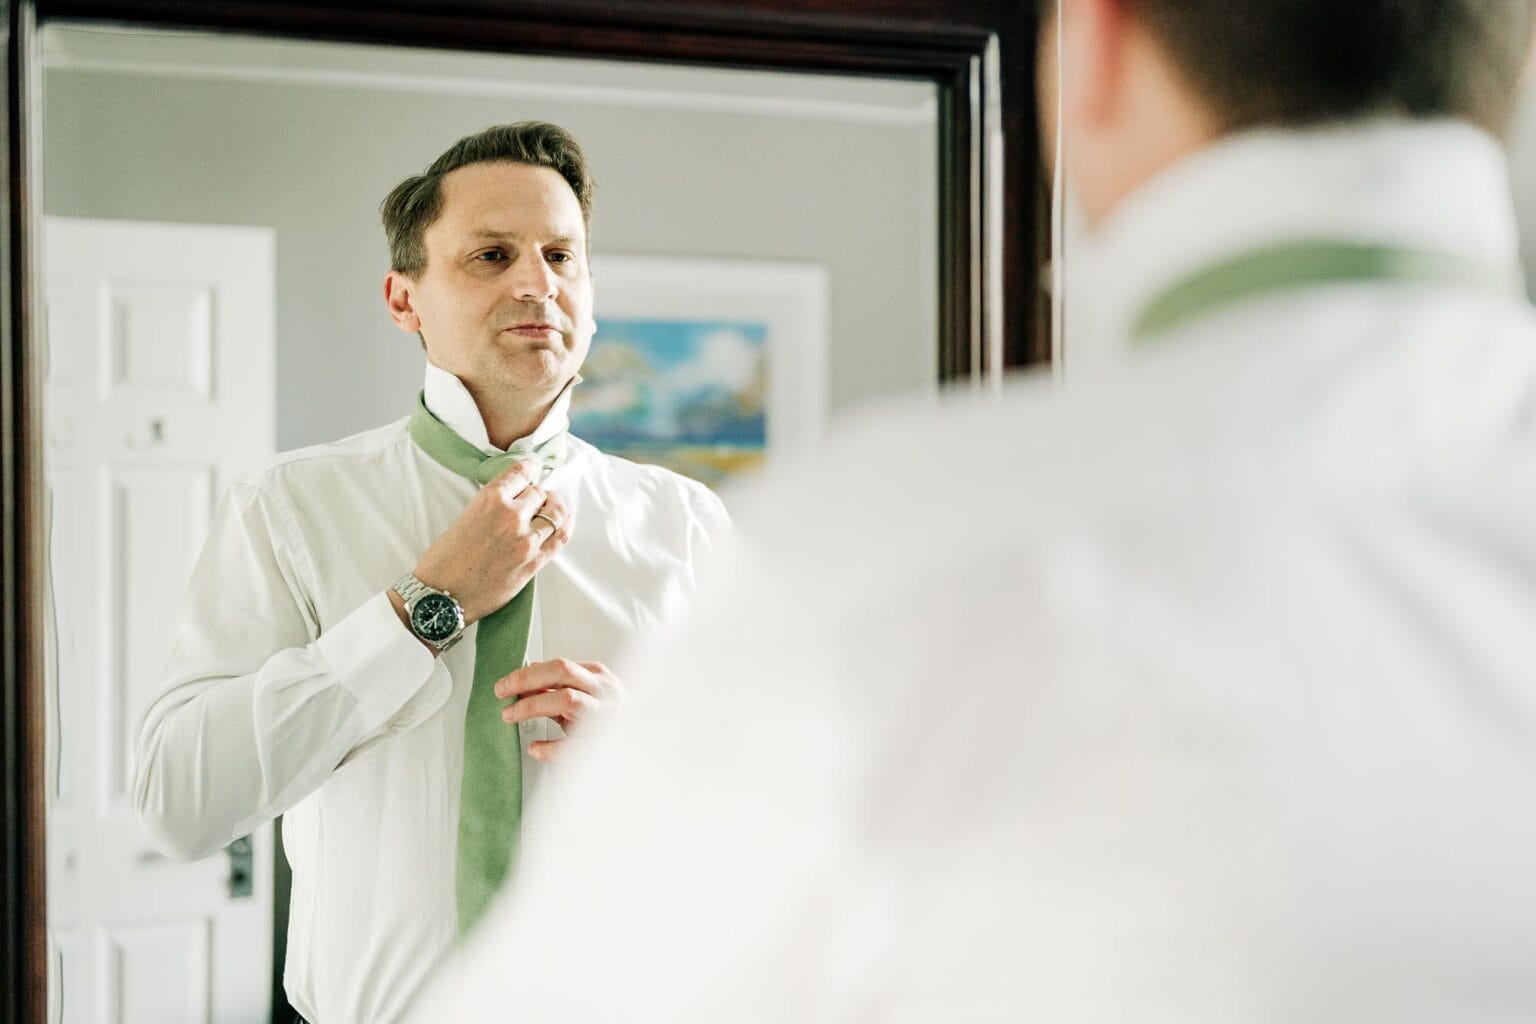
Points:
(241, 868)
(153, 434)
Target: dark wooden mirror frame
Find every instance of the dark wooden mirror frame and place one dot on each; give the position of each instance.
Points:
(980, 53)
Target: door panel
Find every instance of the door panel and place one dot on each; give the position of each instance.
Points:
(160, 388)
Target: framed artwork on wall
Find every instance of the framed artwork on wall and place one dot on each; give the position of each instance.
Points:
(707, 367)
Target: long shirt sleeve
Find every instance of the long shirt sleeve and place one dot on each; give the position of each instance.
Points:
(258, 705)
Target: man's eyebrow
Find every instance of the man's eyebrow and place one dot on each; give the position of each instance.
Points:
(492, 235)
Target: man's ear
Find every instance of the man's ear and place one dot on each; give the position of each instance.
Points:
(399, 293)
(1093, 58)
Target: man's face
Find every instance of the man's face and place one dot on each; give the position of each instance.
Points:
(505, 302)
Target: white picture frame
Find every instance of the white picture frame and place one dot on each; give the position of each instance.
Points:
(792, 300)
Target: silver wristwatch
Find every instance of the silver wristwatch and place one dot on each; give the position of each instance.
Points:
(433, 614)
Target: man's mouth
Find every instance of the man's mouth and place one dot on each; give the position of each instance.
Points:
(537, 329)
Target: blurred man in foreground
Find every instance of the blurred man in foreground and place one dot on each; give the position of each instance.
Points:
(1204, 693)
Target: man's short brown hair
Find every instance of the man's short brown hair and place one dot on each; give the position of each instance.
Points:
(1298, 62)
(413, 205)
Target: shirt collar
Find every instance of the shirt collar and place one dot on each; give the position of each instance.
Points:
(1440, 185)
(450, 401)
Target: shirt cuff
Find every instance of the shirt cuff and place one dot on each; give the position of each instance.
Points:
(375, 658)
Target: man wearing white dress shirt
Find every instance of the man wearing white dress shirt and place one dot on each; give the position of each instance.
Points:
(357, 603)
(1201, 692)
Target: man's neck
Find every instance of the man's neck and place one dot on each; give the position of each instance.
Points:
(509, 417)
(1155, 122)
(1137, 157)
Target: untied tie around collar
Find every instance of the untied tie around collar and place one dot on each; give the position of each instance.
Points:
(448, 449)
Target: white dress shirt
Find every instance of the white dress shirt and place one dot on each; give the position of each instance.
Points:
(1206, 693)
(295, 689)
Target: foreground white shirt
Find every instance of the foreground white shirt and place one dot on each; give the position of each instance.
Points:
(294, 689)
(1203, 694)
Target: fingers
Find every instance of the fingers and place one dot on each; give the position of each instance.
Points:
(599, 669)
(515, 491)
(547, 750)
(515, 511)
(515, 480)
(553, 523)
(539, 514)
(590, 677)
(562, 690)
(563, 704)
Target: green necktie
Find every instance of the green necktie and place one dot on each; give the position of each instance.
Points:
(491, 796)
(1308, 262)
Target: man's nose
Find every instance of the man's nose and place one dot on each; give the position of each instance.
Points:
(533, 278)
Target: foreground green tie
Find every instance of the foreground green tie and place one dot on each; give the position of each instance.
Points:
(1304, 263)
(491, 796)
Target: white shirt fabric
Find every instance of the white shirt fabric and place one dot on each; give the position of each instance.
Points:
(1205, 693)
(295, 689)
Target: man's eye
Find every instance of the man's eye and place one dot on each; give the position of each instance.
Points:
(491, 256)
(560, 257)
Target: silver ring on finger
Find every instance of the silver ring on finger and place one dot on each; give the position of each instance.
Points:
(553, 526)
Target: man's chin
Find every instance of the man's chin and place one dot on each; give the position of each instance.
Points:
(536, 370)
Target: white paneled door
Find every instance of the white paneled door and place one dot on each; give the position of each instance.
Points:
(159, 387)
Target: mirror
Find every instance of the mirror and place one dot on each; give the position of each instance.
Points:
(212, 277)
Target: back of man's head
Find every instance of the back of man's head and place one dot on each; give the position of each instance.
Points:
(1296, 62)
(1142, 84)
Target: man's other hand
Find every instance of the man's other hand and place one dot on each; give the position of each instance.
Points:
(563, 690)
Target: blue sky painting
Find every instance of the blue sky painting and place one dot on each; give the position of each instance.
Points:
(687, 394)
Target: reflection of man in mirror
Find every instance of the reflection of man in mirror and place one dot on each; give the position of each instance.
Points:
(1201, 691)
(387, 636)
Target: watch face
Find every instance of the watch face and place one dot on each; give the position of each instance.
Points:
(435, 617)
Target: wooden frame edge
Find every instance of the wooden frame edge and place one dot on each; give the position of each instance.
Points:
(21, 522)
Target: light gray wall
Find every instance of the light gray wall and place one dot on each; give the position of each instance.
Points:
(314, 161)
